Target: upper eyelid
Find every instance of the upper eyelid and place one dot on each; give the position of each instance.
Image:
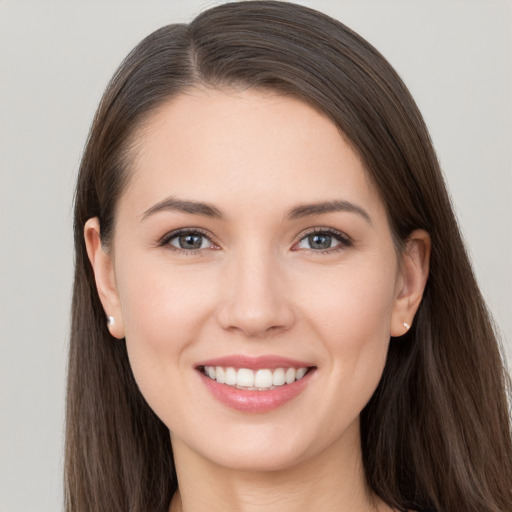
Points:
(326, 230)
(177, 232)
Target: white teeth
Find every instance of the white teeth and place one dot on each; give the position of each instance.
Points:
(220, 375)
(252, 380)
(278, 377)
(245, 378)
(230, 377)
(290, 375)
(300, 373)
(263, 379)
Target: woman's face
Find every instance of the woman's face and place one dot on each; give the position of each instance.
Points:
(250, 241)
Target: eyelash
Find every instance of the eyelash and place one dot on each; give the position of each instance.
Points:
(166, 239)
(344, 240)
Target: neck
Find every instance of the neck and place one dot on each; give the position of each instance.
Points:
(332, 480)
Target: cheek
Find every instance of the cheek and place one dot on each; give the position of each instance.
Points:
(351, 315)
(159, 300)
(163, 311)
(352, 303)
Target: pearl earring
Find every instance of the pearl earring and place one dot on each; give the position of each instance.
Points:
(111, 321)
(406, 325)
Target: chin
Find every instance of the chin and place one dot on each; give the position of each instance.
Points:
(260, 460)
(263, 448)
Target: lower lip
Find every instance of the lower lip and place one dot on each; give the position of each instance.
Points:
(256, 401)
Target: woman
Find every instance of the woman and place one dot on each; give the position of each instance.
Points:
(273, 307)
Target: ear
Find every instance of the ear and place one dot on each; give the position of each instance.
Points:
(411, 281)
(104, 275)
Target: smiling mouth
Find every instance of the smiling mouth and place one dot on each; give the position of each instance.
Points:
(264, 379)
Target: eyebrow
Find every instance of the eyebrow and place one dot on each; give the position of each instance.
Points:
(327, 207)
(176, 205)
(207, 210)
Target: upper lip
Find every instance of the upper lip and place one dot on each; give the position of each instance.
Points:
(254, 363)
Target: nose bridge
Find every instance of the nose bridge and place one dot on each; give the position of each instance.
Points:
(256, 301)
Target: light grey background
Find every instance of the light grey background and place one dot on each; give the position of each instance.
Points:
(55, 60)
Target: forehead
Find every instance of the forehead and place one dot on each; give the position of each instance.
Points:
(247, 146)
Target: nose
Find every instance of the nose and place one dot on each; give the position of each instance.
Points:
(254, 293)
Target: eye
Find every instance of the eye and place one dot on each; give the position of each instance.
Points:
(324, 240)
(188, 240)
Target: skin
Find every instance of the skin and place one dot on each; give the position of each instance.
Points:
(256, 287)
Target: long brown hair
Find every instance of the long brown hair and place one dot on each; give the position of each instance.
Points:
(436, 434)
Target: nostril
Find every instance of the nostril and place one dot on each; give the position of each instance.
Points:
(255, 322)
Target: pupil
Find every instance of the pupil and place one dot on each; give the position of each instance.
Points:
(320, 241)
(190, 241)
